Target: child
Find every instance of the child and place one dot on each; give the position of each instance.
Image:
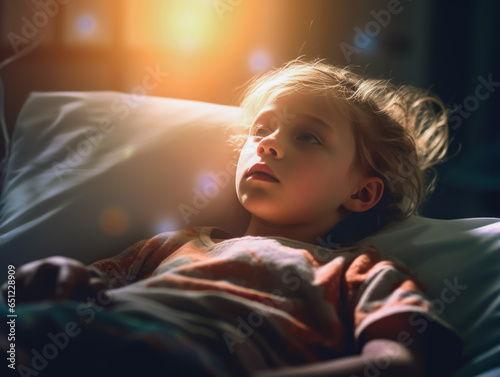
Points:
(327, 159)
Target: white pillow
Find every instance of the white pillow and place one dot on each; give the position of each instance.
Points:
(155, 164)
(458, 263)
(91, 173)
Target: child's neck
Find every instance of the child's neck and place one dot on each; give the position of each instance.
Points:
(308, 233)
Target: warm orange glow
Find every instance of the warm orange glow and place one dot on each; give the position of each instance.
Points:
(207, 47)
(188, 26)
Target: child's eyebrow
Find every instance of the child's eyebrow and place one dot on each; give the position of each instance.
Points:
(270, 114)
(311, 118)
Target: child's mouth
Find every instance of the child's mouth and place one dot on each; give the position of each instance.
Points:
(261, 172)
(261, 176)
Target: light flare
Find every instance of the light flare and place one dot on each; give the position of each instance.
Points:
(188, 25)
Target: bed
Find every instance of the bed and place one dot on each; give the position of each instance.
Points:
(90, 173)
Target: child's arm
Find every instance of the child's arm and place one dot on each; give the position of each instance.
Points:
(55, 278)
(62, 278)
(391, 347)
(401, 363)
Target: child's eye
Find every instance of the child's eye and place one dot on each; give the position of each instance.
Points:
(309, 138)
(260, 131)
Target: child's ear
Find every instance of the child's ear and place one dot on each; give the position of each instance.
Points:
(367, 196)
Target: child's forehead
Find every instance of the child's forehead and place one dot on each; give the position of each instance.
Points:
(296, 104)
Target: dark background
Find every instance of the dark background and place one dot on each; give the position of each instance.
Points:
(210, 48)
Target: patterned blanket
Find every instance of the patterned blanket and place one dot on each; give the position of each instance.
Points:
(187, 303)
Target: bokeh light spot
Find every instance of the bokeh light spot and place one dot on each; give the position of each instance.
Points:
(114, 221)
(205, 181)
(370, 46)
(166, 225)
(259, 61)
(86, 24)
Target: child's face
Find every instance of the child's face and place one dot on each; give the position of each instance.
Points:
(295, 166)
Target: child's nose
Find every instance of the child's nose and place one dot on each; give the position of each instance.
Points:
(270, 146)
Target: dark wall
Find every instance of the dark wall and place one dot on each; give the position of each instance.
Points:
(464, 68)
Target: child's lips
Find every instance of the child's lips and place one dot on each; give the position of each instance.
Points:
(259, 176)
(261, 172)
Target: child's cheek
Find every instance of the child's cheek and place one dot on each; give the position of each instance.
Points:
(247, 153)
(308, 180)
(249, 149)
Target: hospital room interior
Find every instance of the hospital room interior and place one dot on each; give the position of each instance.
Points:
(71, 182)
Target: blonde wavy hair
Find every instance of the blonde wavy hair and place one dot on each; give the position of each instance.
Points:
(400, 132)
